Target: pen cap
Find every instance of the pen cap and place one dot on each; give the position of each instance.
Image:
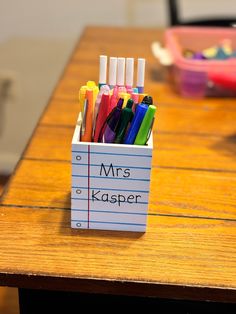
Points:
(135, 124)
(120, 71)
(130, 103)
(146, 126)
(126, 117)
(112, 71)
(110, 126)
(103, 70)
(91, 84)
(129, 72)
(147, 100)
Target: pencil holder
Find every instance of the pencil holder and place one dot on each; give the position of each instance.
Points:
(110, 185)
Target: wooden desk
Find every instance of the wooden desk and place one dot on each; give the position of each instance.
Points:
(189, 249)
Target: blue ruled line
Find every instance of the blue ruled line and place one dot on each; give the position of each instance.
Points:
(95, 165)
(110, 223)
(98, 177)
(85, 199)
(107, 189)
(107, 211)
(115, 154)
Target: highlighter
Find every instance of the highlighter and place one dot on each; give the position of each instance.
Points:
(135, 124)
(82, 93)
(87, 136)
(114, 98)
(126, 117)
(102, 114)
(112, 124)
(146, 126)
(135, 97)
(126, 97)
(103, 89)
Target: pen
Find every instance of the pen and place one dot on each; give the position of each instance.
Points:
(103, 71)
(126, 117)
(111, 124)
(120, 71)
(88, 123)
(135, 124)
(112, 72)
(102, 114)
(140, 75)
(146, 126)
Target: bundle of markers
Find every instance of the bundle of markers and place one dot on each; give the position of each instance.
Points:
(222, 51)
(117, 112)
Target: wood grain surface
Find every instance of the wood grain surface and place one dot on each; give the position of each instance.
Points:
(189, 249)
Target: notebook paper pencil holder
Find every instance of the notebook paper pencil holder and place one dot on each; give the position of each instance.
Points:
(110, 184)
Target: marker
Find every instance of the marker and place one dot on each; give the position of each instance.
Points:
(103, 71)
(112, 123)
(146, 126)
(102, 114)
(135, 124)
(120, 71)
(129, 73)
(141, 96)
(88, 123)
(126, 117)
(112, 71)
(84, 114)
(134, 96)
(125, 96)
(103, 89)
(147, 100)
(82, 93)
(140, 75)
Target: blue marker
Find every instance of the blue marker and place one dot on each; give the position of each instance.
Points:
(135, 124)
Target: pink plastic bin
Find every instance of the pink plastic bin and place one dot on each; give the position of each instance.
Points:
(200, 78)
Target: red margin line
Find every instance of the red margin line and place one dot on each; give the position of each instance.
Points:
(88, 184)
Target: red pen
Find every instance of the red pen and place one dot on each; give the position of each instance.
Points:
(102, 114)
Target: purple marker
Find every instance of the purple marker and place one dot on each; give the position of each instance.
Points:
(112, 123)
